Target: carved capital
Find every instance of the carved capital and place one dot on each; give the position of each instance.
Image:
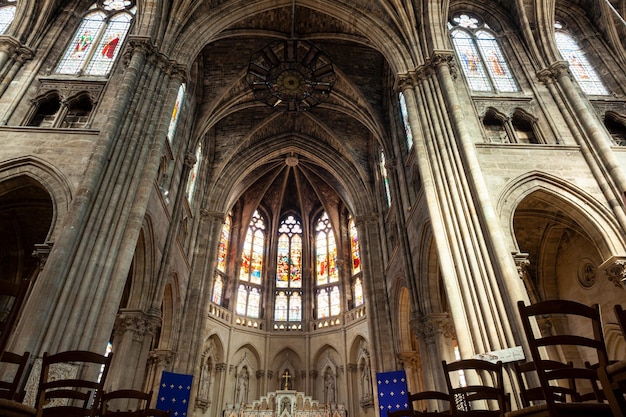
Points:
(313, 374)
(260, 374)
(405, 82)
(410, 359)
(351, 368)
(364, 219)
(190, 159)
(163, 357)
(220, 367)
(433, 325)
(614, 269)
(522, 263)
(136, 322)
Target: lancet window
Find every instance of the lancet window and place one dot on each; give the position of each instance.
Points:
(250, 272)
(385, 178)
(171, 130)
(288, 299)
(355, 255)
(193, 173)
(326, 271)
(99, 38)
(484, 65)
(579, 65)
(404, 114)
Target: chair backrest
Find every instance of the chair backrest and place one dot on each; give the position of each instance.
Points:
(63, 394)
(532, 395)
(482, 394)
(580, 377)
(13, 366)
(125, 403)
(426, 397)
(12, 295)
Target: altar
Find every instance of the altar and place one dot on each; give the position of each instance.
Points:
(285, 403)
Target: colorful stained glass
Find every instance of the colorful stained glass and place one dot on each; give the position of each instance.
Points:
(358, 293)
(109, 45)
(405, 121)
(483, 63)
(581, 69)
(98, 41)
(193, 173)
(7, 14)
(218, 288)
(383, 171)
(79, 50)
(251, 269)
(223, 246)
(289, 254)
(176, 113)
(496, 64)
(326, 252)
(355, 249)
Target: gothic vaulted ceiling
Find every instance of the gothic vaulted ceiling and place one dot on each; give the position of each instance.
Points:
(344, 119)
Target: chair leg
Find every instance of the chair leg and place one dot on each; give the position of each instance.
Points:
(614, 396)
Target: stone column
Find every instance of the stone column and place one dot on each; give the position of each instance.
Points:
(132, 338)
(220, 380)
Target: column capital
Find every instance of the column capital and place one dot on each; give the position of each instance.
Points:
(405, 82)
(164, 357)
(190, 159)
(137, 322)
(614, 269)
(221, 367)
(433, 325)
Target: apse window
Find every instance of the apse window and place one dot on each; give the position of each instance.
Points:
(96, 44)
(7, 14)
(327, 273)
(250, 272)
(288, 297)
(477, 49)
(579, 65)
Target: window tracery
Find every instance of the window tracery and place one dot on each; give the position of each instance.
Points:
(7, 14)
(97, 42)
(288, 299)
(483, 63)
(250, 272)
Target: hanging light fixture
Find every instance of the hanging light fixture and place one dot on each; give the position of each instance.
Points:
(291, 74)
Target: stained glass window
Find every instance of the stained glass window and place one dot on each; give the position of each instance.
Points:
(223, 246)
(252, 256)
(355, 249)
(218, 288)
(7, 13)
(481, 58)
(251, 269)
(581, 69)
(288, 302)
(383, 171)
(405, 121)
(326, 252)
(193, 173)
(289, 261)
(98, 40)
(176, 113)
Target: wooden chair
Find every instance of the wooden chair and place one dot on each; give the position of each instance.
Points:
(484, 393)
(12, 295)
(613, 375)
(133, 403)
(61, 395)
(570, 381)
(13, 366)
(534, 395)
(430, 397)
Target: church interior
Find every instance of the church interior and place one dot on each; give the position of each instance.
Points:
(297, 195)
